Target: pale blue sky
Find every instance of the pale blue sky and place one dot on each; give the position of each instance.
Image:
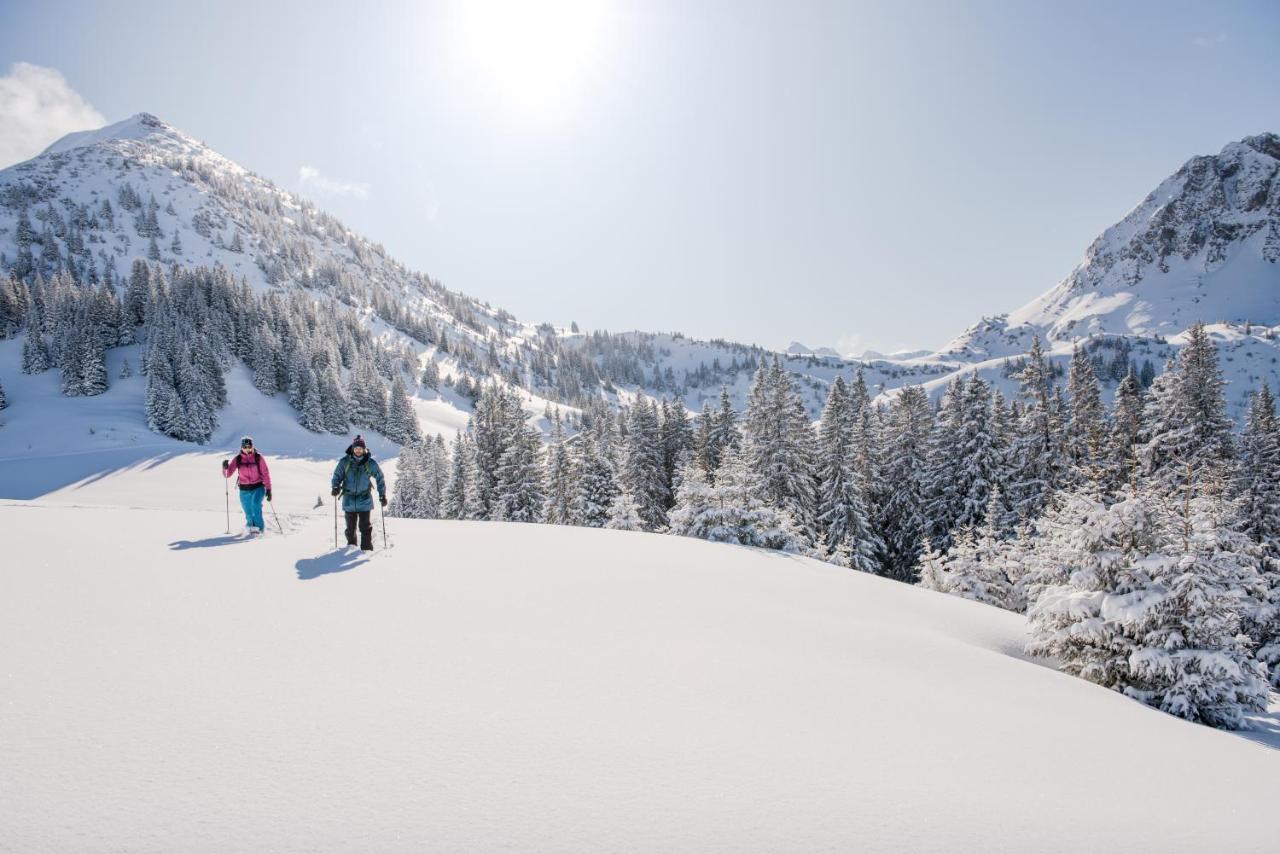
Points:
(839, 173)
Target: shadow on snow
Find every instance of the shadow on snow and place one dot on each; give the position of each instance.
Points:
(223, 540)
(327, 564)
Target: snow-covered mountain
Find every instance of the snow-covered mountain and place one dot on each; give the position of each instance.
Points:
(1203, 246)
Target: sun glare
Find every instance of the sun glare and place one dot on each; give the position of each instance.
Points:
(534, 57)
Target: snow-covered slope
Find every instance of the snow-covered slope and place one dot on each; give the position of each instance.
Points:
(496, 687)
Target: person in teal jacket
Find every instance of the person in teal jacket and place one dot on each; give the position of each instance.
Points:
(353, 479)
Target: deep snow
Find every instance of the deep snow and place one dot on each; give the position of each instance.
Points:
(496, 687)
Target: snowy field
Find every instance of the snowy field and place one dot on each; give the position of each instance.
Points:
(492, 687)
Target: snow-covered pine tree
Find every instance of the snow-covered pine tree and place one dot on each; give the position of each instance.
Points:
(722, 432)
(902, 524)
(1097, 559)
(1156, 585)
(311, 412)
(931, 571)
(1085, 433)
(693, 497)
(407, 497)
(402, 422)
(1185, 425)
(1260, 472)
(595, 487)
(677, 443)
(35, 354)
(1034, 457)
(981, 464)
(845, 531)
(643, 468)
(560, 476)
(778, 446)
(367, 396)
(460, 500)
(518, 488)
(430, 375)
(624, 515)
(1126, 427)
(942, 497)
(975, 566)
(4, 402)
(92, 368)
(1191, 659)
(735, 512)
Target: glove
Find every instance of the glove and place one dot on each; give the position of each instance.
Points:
(268, 495)
(337, 490)
(225, 464)
(383, 499)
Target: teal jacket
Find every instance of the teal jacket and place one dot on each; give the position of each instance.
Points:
(355, 477)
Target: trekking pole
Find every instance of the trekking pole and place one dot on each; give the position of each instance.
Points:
(226, 493)
(335, 521)
(383, 507)
(272, 505)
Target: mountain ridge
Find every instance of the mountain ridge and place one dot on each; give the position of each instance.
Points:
(1202, 246)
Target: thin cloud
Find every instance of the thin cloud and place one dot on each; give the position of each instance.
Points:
(310, 177)
(38, 108)
(1209, 41)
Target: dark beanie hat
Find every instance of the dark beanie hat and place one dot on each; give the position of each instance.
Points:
(358, 442)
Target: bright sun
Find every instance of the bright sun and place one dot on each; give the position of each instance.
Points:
(534, 56)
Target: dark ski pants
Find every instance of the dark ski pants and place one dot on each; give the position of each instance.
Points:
(366, 529)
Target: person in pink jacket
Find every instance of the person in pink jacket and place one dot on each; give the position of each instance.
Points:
(254, 481)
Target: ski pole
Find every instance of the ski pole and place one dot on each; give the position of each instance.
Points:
(335, 521)
(226, 493)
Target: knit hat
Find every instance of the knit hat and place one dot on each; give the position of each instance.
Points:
(358, 442)
(246, 442)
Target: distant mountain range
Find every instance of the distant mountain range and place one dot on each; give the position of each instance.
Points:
(1204, 246)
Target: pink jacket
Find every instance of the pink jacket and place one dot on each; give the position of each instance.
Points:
(252, 471)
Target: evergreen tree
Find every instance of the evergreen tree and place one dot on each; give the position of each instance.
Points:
(779, 447)
(35, 355)
(842, 514)
(643, 467)
(4, 402)
(402, 422)
(902, 524)
(677, 443)
(1085, 437)
(407, 495)
(1151, 604)
(976, 565)
(1035, 455)
(559, 478)
(311, 413)
(518, 487)
(368, 397)
(93, 369)
(461, 499)
(595, 486)
(942, 496)
(624, 515)
(1126, 427)
(1260, 472)
(735, 513)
